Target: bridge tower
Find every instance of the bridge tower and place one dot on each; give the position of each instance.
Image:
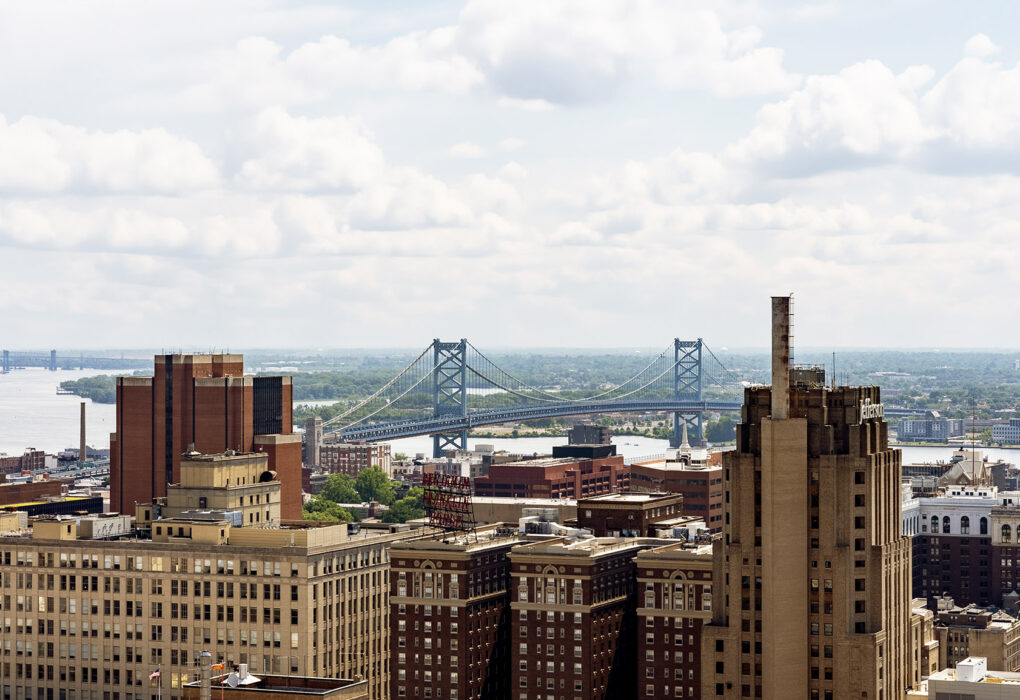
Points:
(53, 360)
(449, 395)
(687, 387)
(7, 361)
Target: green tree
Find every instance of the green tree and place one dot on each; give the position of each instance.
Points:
(374, 485)
(400, 457)
(325, 510)
(340, 489)
(985, 436)
(723, 430)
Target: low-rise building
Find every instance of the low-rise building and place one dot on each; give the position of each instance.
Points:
(573, 471)
(1008, 433)
(694, 472)
(932, 428)
(974, 631)
(630, 514)
(973, 680)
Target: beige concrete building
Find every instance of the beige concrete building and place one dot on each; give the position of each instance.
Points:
(92, 618)
(975, 631)
(229, 481)
(815, 598)
(925, 641)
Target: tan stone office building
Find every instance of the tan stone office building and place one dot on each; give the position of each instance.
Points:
(86, 618)
(815, 598)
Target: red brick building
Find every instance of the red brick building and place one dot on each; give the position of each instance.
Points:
(630, 514)
(574, 471)
(11, 494)
(449, 616)
(573, 618)
(204, 401)
(700, 482)
(674, 603)
(351, 458)
(32, 460)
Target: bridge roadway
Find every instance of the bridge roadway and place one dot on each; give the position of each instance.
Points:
(495, 416)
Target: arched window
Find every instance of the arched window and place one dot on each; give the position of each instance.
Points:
(1006, 533)
(984, 526)
(965, 525)
(934, 524)
(945, 525)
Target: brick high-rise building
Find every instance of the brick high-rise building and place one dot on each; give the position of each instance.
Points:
(206, 403)
(351, 458)
(450, 616)
(674, 604)
(573, 618)
(814, 595)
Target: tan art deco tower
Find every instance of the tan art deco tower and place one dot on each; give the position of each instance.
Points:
(814, 573)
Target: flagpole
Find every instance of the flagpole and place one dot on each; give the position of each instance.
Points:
(159, 686)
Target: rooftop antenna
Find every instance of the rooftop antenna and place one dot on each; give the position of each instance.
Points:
(833, 370)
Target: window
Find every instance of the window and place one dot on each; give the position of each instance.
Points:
(984, 526)
(945, 525)
(1006, 533)
(965, 525)
(934, 524)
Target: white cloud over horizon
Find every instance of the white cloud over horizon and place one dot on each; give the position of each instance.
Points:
(506, 174)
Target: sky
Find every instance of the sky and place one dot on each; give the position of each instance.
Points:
(574, 173)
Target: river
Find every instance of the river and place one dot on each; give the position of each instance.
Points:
(32, 414)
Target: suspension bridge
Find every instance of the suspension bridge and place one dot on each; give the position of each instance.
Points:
(452, 387)
(19, 360)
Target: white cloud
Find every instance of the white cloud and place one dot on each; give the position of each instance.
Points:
(466, 149)
(527, 55)
(980, 46)
(46, 156)
(510, 144)
(304, 154)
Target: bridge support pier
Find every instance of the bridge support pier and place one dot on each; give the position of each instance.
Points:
(687, 387)
(444, 441)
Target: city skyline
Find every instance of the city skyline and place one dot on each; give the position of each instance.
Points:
(507, 172)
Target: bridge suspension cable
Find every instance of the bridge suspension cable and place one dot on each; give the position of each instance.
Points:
(552, 397)
(388, 384)
(389, 402)
(620, 386)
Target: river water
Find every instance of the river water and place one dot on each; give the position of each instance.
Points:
(33, 415)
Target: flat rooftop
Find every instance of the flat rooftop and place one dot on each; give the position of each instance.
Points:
(486, 537)
(581, 546)
(630, 497)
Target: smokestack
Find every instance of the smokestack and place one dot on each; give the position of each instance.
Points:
(782, 343)
(81, 447)
(205, 685)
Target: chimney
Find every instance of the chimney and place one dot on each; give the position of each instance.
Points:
(782, 343)
(81, 447)
(205, 669)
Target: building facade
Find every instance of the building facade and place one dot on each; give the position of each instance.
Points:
(975, 631)
(573, 618)
(931, 428)
(94, 618)
(1008, 434)
(574, 471)
(701, 484)
(450, 616)
(202, 403)
(674, 603)
(630, 514)
(351, 458)
(815, 574)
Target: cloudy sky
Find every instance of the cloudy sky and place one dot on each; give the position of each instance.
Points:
(253, 173)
